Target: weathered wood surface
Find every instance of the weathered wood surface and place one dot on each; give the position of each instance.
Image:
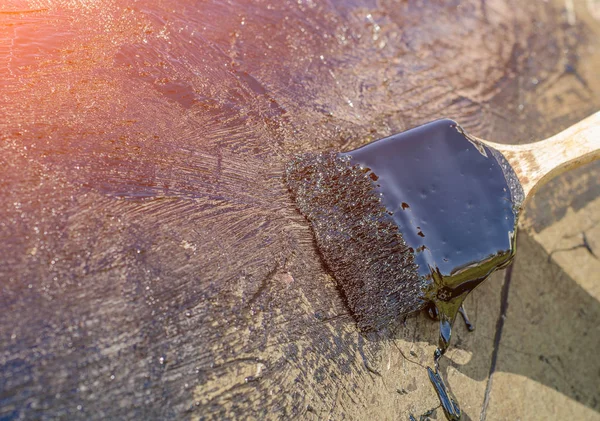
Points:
(152, 262)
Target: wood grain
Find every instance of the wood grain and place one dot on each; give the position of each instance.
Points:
(537, 163)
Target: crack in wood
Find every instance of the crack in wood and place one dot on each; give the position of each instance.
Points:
(584, 244)
(497, 339)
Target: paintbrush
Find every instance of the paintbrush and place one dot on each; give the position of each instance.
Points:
(423, 217)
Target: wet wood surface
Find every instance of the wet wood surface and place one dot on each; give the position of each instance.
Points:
(153, 264)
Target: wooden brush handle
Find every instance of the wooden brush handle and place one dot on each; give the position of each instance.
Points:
(537, 163)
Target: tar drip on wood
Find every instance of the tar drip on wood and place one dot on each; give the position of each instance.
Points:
(418, 218)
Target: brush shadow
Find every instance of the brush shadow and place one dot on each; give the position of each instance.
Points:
(549, 334)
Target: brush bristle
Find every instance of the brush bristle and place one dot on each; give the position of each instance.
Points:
(357, 238)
